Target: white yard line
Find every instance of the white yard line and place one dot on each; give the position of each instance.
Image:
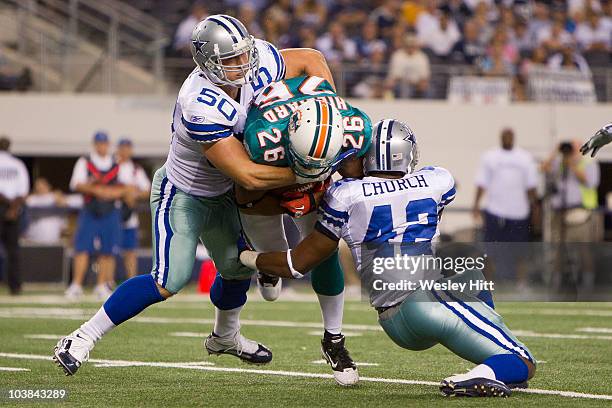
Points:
(359, 363)
(595, 329)
(108, 363)
(529, 333)
(14, 369)
(43, 336)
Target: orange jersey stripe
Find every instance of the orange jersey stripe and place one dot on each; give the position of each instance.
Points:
(323, 130)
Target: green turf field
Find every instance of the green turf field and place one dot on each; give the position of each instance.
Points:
(158, 359)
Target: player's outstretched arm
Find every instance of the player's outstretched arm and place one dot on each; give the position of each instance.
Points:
(313, 250)
(306, 61)
(229, 156)
(599, 140)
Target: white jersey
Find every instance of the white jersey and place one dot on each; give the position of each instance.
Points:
(378, 210)
(204, 113)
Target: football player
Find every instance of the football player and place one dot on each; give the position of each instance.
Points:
(599, 140)
(191, 198)
(393, 203)
(301, 123)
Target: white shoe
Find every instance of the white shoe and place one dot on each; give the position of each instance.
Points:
(72, 351)
(269, 286)
(102, 292)
(74, 292)
(239, 346)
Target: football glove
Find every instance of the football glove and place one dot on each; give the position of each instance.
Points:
(599, 140)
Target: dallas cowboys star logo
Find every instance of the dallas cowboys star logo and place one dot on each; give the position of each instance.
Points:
(199, 44)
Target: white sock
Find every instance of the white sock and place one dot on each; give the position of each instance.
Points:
(227, 322)
(482, 371)
(332, 308)
(98, 325)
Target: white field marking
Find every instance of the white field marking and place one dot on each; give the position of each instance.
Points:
(68, 314)
(595, 329)
(568, 394)
(13, 369)
(79, 314)
(556, 312)
(359, 363)
(528, 333)
(43, 336)
(346, 333)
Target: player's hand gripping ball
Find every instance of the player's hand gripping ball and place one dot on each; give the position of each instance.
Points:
(304, 198)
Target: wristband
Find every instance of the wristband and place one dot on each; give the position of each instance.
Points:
(249, 259)
(293, 271)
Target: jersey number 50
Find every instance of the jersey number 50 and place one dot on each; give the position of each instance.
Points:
(211, 98)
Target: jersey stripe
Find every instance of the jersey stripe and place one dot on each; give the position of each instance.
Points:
(206, 128)
(209, 138)
(280, 64)
(323, 128)
(233, 22)
(224, 25)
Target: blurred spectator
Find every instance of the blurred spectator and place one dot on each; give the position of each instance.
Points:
(99, 223)
(458, 10)
(540, 21)
(13, 79)
(351, 14)
(14, 187)
(368, 41)
(494, 63)
(307, 38)
(573, 180)
(595, 34)
(336, 46)
(385, 17)
(182, 37)
(45, 224)
(411, 9)
(409, 70)
(277, 32)
(373, 70)
(521, 38)
(131, 175)
(427, 20)
(554, 37)
(247, 14)
(537, 58)
(280, 10)
(508, 176)
(569, 58)
(311, 12)
(441, 37)
(469, 49)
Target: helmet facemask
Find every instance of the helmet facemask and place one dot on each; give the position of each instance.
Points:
(217, 71)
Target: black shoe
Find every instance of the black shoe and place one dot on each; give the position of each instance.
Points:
(334, 352)
(475, 387)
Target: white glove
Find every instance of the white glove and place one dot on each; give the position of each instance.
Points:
(599, 140)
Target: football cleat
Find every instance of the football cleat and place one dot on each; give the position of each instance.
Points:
(72, 351)
(343, 366)
(474, 387)
(269, 286)
(239, 346)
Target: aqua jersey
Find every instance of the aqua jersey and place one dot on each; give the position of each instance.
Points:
(266, 129)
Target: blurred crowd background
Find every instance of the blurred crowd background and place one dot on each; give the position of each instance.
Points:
(381, 48)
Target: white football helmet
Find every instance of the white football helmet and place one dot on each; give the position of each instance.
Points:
(316, 135)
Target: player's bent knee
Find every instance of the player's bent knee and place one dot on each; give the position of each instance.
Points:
(163, 291)
(531, 368)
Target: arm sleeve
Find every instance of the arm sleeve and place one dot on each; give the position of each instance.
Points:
(447, 182)
(203, 130)
(332, 215)
(79, 174)
(532, 173)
